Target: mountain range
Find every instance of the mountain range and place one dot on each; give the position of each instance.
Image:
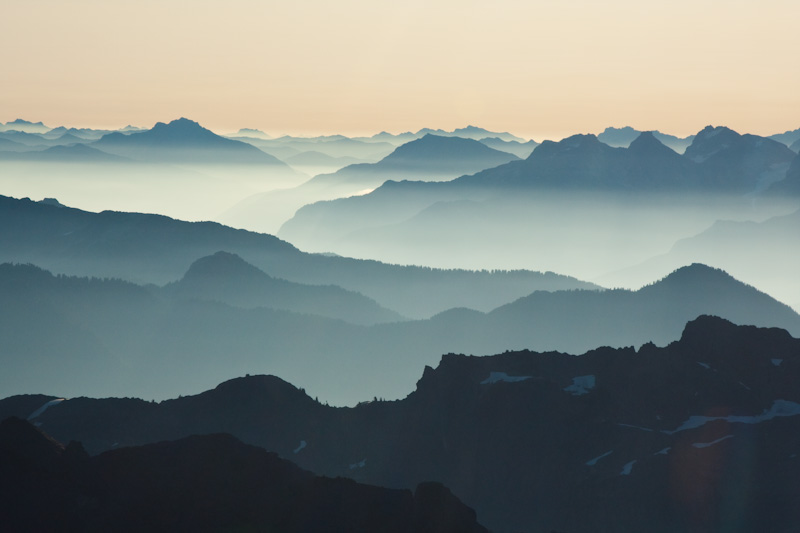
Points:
(670, 405)
(566, 202)
(429, 158)
(93, 336)
(668, 438)
(156, 249)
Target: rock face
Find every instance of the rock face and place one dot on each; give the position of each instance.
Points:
(200, 483)
(668, 438)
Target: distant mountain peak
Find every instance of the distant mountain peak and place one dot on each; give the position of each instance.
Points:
(262, 386)
(223, 264)
(23, 122)
(696, 274)
(579, 139)
(624, 129)
(431, 146)
(578, 142)
(709, 141)
(180, 123)
(51, 201)
(647, 142)
(712, 131)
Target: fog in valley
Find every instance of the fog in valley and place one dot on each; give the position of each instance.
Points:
(514, 244)
(587, 235)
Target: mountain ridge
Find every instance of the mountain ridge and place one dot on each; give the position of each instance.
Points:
(607, 429)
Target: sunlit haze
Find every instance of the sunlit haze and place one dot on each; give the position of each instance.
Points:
(540, 69)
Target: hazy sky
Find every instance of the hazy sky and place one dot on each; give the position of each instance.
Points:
(538, 68)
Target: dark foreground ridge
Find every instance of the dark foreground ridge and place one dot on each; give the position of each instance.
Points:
(200, 483)
(690, 437)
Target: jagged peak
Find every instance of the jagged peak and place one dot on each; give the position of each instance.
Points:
(182, 123)
(648, 142)
(713, 131)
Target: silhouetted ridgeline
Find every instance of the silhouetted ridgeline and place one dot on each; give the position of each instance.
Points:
(184, 141)
(208, 483)
(431, 158)
(109, 337)
(763, 253)
(689, 437)
(227, 278)
(568, 201)
(157, 249)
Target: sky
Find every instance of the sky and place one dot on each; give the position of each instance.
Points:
(537, 68)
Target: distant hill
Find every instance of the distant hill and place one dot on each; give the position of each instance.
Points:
(473, 132)
(251, 132)
(12, 146)
(227, 278)
(333, 146)
(656, 434)
(761, 252)
(28, 139)
(200, 483)
(656, 312)
(788, 138)
(468, 132)
(55, 137)
(76, 153)
(183, 141)
(83, 134)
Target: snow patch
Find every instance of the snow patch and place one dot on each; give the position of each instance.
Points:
(776, 362)
(581, 385)
(665, 451)
(495, 377)
(628, 468)
(300, 446)
(361, 464)
(634, 427)
(43, 408)
(707, 444)
(594, 461)
(779, 408)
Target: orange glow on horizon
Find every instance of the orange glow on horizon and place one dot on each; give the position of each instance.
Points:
(538, 69)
